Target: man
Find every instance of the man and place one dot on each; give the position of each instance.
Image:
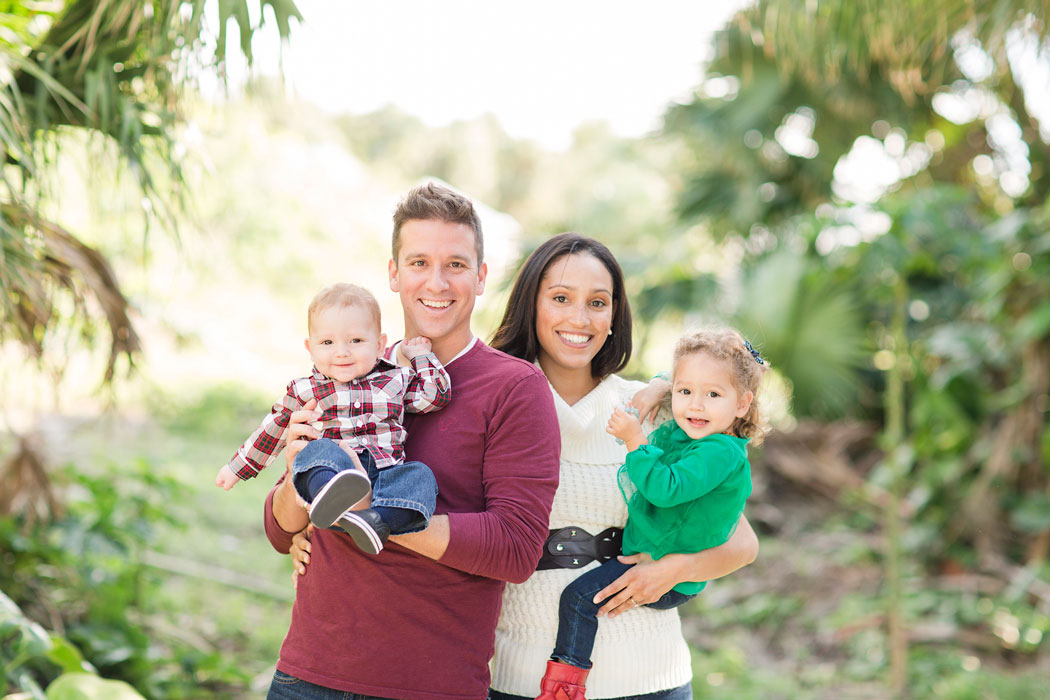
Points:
(417, 621)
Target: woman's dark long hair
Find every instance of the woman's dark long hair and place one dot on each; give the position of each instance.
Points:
(516, 334)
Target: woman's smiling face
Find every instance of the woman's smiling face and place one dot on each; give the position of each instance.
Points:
(574, 311)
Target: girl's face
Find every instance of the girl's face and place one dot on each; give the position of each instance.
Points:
(574, 311)
(704, 400)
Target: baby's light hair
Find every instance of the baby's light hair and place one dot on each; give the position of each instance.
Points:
(343, 294)
(746, 371)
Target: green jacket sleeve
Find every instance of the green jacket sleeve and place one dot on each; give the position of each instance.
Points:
(697, 471)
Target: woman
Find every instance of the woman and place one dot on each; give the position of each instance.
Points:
(568, 311)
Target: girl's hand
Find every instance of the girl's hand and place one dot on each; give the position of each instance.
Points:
(649, 398)
(643, 583)
(300, 551)
(626, 427)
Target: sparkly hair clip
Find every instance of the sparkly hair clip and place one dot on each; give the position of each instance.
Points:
(754, 353)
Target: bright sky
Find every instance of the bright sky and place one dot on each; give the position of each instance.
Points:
(541, 67)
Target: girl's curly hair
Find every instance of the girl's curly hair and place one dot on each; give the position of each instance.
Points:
(747, 368)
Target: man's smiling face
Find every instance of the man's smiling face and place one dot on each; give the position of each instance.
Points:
(438, 278)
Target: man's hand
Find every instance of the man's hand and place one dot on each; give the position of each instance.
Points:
(300, 551)
(300, 431)
(626, 427)
(414, 347)
(226, 478)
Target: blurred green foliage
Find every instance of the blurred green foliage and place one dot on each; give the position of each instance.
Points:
(86, 574)
(765, 202)
(869, 164)
(116, 73)
(771, 138)
(82, 572)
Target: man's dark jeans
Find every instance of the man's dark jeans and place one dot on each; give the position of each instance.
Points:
(285, 687)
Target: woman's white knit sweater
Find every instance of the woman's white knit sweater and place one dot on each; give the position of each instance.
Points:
(641, 651)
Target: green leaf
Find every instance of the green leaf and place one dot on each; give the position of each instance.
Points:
(66, 656)
(85, 686)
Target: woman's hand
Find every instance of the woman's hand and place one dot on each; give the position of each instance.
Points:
(300, 551)
(644, 583)
(650, 397)
(648, 580)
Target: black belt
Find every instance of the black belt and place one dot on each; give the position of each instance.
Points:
(574, 547)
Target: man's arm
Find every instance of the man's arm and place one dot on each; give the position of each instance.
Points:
(431, 543)
(519, 476)
(284, 513)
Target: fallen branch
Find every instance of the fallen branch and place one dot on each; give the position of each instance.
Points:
(209, 572)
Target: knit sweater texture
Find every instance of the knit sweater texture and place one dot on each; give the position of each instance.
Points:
(641, 651)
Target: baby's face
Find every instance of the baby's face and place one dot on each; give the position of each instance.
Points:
(344, 342)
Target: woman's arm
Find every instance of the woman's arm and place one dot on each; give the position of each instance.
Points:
(648, 580)
(651, 398)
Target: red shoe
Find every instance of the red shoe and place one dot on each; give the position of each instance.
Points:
(563, 682)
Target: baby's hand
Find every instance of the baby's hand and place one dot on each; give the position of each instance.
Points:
(226, 478)
(626, 427)
(414, 347)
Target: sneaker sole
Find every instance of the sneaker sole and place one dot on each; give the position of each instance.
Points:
(344, 490)
(363, 534)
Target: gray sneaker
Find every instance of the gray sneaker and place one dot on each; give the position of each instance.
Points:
(366, 528)
(344, 490)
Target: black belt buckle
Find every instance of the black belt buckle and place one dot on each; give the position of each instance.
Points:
(573, 547)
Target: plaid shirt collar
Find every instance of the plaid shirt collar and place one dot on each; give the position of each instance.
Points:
(382, 365)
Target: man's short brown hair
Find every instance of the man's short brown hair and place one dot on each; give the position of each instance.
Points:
(439, 203)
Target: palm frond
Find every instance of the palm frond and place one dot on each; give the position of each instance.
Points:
(55, 263)
(115, 68)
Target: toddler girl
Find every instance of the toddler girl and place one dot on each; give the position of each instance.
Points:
(685, 486)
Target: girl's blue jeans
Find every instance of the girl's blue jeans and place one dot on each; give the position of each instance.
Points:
(408, 485)
(578, 614)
